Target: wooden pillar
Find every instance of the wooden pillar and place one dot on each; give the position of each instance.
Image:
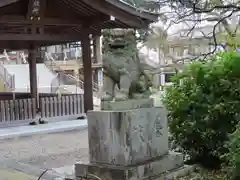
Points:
(32, 71)
(87, 72)
(97, 49)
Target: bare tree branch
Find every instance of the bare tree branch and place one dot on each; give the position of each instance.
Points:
(196, 12)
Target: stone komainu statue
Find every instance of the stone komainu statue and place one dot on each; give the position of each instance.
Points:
(124, 76)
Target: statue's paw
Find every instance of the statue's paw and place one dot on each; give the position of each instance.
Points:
(107, 98)
(121, 97)
(138, 96)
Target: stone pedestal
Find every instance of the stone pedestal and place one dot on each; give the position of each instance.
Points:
(129, 144)
(155, 169)
(127, 137)
(127, 105)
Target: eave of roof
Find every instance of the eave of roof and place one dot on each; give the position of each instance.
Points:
(121, 5)
(132, 10)
(7, 2)
(126, 17)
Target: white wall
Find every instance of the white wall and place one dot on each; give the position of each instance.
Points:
(22, 80)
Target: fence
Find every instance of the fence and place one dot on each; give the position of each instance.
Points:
(61, 106)
(24, 109)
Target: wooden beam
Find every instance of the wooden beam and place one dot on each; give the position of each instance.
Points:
(32, 16)
(20, 45)
(21, 20)
(41, 37)
(43, 4)
(41, 13)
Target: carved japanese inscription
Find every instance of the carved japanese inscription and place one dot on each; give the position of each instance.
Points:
(158, 126)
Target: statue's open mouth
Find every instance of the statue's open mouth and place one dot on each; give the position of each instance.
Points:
(118, 44)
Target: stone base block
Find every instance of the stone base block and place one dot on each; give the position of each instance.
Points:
(157, 169)
(124, 138)
(126, 105)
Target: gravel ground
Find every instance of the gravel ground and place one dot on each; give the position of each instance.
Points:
(46, 151)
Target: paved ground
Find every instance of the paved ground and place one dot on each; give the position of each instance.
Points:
(9, 174)
(29, 154)
(51, 127)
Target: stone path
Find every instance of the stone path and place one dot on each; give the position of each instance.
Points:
(8, 132)
(34, 154)
(9, 174)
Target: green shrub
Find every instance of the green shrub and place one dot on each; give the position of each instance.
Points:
(204, 106)
(234, 153)
(203, 174)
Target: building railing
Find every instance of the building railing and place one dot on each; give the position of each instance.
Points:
(66, 79)
(9, 80)
(60, 56)
(25, 109)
